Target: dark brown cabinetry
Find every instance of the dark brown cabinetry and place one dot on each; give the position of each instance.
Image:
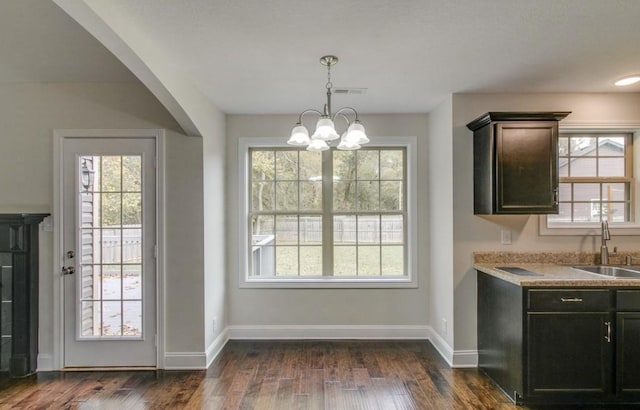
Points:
(19, 293)
(515, 162)
(560, 345)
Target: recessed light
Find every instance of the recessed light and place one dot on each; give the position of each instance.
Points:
(631, 79)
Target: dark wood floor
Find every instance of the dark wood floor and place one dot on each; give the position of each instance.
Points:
(279, 375)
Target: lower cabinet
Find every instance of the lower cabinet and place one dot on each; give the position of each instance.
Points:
(566, 345)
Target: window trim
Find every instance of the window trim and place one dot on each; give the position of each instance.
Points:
(593, 229)
(409, 281)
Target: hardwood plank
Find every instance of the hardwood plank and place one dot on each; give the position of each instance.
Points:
(262, 375)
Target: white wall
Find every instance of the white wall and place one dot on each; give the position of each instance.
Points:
(440, 228)
(477, 233)
(28, 115)
(328, 307)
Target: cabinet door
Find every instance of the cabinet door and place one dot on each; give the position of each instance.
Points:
(628, 355)
(527, 167)
(569, 356)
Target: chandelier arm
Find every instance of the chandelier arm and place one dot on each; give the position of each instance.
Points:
(346, 108)
(339, 114)
(302, 114)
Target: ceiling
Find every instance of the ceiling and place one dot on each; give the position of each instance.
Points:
(256, 56)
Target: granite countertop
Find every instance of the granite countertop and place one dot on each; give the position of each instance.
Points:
(547, 269)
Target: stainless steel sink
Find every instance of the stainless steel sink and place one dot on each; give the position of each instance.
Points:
(612, 271)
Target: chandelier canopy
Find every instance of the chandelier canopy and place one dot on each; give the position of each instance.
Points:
(352, 138)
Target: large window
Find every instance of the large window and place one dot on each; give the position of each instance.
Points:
(596, 179)
(332, 216)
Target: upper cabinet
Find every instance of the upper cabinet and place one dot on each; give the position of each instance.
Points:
(515, 162)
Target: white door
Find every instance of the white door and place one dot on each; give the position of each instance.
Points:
(109, 214)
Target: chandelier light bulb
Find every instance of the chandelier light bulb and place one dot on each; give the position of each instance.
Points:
(317, 145)
(299, 136)
(356, 133)
(347, 144)
(325, 130)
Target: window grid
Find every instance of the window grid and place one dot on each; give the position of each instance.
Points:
(281, 249)
(589, 191)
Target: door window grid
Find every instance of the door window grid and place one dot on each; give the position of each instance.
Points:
(596, 175)
(111, 246)
(363, 200)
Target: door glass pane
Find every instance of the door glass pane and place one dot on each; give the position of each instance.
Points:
(6, 310)
(110, 272)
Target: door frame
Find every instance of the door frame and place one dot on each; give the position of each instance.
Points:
(59, 136)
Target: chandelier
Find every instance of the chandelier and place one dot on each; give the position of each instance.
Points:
(352, 138)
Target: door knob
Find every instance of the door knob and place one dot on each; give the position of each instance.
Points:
(70, 254)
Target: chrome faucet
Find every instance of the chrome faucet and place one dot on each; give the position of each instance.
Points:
(605, 235)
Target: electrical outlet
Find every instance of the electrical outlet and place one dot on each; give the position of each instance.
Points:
(505, 237)
(444, 326)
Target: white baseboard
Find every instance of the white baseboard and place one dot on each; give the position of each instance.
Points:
(294, 332)
(216, 346)
(185, 360)
(454, 358)
(45, 363)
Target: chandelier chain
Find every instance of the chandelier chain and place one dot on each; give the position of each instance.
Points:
(329, 84)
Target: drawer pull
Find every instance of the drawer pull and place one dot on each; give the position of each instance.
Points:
(566, 300)
(608, 336)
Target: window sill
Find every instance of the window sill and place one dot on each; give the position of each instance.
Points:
(332, 283)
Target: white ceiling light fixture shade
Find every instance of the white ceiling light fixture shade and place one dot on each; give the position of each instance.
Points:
(299, 136)
(628, 80)
(325, 128)
(317, 145)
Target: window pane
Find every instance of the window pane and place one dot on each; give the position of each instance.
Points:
(111, 173)
(368, 195)
(583, 167)
(583, 146)
(311, 260)
(262, 196)
(392, 229)
(563, 147)
(111, 245)
(367, 164)
(391, 195)
(344, 261)
(391, 164)
(564, 192)
(111, 281)
(132, 209)
(611, 146)
(311, 196)
(611, 167)
(263, 259)
(564, 214)
(310, 166)
(263, 164)
(344, 195)
(287, 261)
(368, 260)
(287, 165)
(392, 260)
(311, 230)
(132, 282)
(586, 192)
(582, 212)
(344, 165)
(368, 229)
(262, 225)
(111, 318)
(132, 311)
(132, 245)
(618, 212)
(132, 173)
(615, 191)
(286, 196)
(111, 210)
(344, 229)
(286, 230)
